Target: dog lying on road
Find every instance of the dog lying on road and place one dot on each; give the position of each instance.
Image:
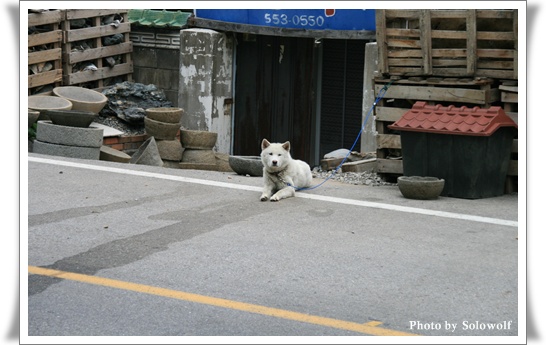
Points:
(282, 174)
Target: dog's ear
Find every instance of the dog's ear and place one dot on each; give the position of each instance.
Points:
(286, 146)
(265, 144)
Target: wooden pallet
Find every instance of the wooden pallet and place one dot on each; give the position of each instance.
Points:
(92, 36)
(44, 51)
(449, 43)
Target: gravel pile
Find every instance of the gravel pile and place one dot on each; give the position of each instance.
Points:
(367, 178)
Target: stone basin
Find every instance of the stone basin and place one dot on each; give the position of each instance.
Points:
(195, 139)
(420, 187)
(165, 114)
(246, 165)
(72, 118)
(82, 98)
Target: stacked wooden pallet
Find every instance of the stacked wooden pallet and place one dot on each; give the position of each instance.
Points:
(456, 43)
(44, 51)
(97, 50)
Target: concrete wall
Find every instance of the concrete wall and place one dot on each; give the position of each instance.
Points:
(205, 87)
(368, 142)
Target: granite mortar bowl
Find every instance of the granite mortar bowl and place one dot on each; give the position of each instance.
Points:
(72, 118)
(246, 165)
(82, 99)
(420, 187)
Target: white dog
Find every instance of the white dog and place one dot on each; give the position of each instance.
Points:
(282, 174)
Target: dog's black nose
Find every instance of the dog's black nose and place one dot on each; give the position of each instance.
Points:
(274, 162)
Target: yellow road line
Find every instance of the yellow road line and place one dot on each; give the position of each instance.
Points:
(369, 328)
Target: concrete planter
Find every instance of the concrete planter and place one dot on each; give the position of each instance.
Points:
(420, 187)
(161, 130)
(69, 136)
(169, 115)
(170, 150)
(199, 156)
(82, 99)
(200, 140)
(247, 165)
(41, 103)
(72, 118)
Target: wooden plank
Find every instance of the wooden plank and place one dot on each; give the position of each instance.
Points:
(499, 14)
(502, 64)
(45, 78)
(45, 38)
(409, 14)
(381, 38)
(389, 114)
(97, 53)
(448, 14)
(405, 62)
(44, 55)
(426, 41)
(397, 43)
(78, 14)
(452, 53)
(389, 166)
(96, 31)
(403, 32)
(388, 141)
(101, 73)
(424, 93)
(495, 53)
(509, 97)
(44, 18)
(471, 42)
(449, 34)
(495, 36)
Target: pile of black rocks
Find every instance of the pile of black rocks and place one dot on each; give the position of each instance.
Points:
(127, 104)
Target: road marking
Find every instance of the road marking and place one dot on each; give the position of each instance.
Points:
(352, 202)
(369, 328)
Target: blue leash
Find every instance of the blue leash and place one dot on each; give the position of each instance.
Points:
(379, 97)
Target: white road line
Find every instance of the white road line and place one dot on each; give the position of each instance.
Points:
(352, 202)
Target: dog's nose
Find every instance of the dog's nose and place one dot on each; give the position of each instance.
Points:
(274, 162)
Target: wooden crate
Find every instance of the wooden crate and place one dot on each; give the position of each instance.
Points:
(44, 51)
(448, 43)
(84, 46)
(403, 93)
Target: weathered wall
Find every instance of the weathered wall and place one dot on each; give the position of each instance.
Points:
(205, 89)
(371, 67)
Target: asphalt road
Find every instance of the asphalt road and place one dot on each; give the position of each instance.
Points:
(131, 250)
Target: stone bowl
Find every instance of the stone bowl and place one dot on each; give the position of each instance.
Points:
(72, 118)
(41, 103)
(33, 116)
(201, 140)
(82, 99)
(161, 130)
(246, 165)
(420, 187)
(170, 115)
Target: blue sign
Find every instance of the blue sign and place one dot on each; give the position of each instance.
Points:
(309, 19)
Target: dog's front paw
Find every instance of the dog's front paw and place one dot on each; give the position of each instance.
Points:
(264, 197)
(274, 198)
